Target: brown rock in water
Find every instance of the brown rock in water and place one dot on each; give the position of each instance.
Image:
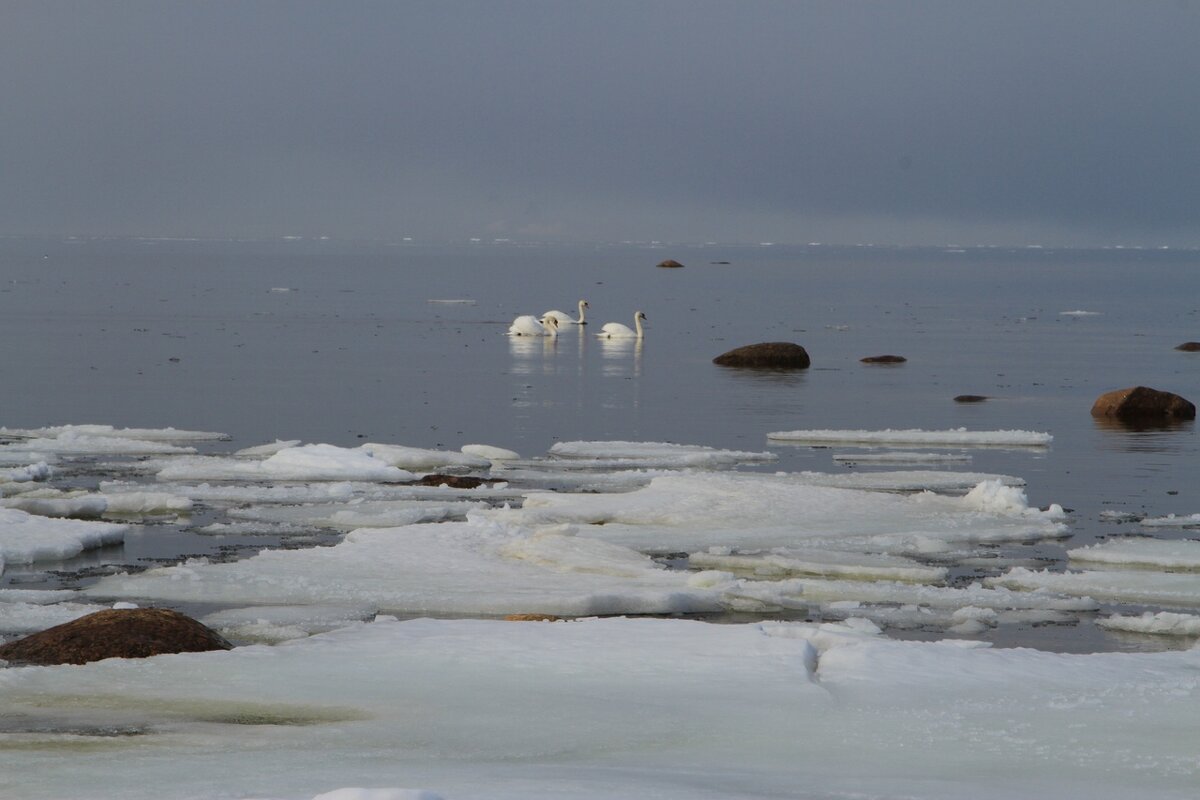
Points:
(766, 355)
(670, 263)
(883, 360)
(1140, 402)
(115, 633)
(453, 481)
(1189, 347)
(970, 398)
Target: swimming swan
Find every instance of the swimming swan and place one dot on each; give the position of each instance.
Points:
(565, 319)
(529, 325)
(615, 330)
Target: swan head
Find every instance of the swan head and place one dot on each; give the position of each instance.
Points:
(640, 315)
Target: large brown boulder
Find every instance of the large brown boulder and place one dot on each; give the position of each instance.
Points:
(1142, 403)
(766, 355)
(114, 633)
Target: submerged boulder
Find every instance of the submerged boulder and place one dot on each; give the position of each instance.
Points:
(766, 355)
(1189, 347)
(1141, 402)
(970, 398)
(883, 360)
(115, 633)
(670, 263)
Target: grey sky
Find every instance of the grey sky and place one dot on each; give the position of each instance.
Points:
(841, 121)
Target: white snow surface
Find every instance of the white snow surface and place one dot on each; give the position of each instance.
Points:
(40, 471)
(907, 480)
(900, 457)
(956, 437)
(418, 459)
(604, 708)
(75, 443)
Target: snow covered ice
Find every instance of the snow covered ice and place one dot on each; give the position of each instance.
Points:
(379, 668)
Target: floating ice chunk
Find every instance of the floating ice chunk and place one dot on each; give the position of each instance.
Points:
(955, 437)
(795, 592)
(321, 492)
(367, 514)
(418, 459)
(269, 449)
(1170, 555)
(12, 456)
(74, 443)
(489, 452)
(26, 538)
(84, 505)
(1079, 313)
(907, 481)
(1122, 586)
(1165, 623)
(909, 616)
(1172, 521)
(827, 563)
(1110, 515)
(653, 454)
(746, 511)
(79, 506)
(108, 431)
(40, 471)
(311, 462)
(37, 596)
(452, 568)
(900, 457)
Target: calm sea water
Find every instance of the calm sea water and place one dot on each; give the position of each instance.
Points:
(338, 342)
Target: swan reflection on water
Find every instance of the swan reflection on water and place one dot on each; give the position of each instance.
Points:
(616, 354)
(531, 354)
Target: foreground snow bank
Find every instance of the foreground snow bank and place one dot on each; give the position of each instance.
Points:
(471, 709)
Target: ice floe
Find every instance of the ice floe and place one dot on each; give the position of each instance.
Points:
(1162, 623)
(694, 512)
(1124, 586)
(109, 432)
(907, 480)
(955, 437)
(40, 471)
(419, 459)
(312, 462)
(1172, 521)
(900, 457)
(1141, 552)
(26, 538)
(630, 455)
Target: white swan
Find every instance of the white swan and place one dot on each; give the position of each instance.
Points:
(615, 330)
(565, 319)
(529, 325)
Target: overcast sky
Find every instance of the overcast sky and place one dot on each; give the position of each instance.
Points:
(1050, 121)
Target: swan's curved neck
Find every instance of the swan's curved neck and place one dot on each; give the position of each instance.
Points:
(582, 306)
(637, 323)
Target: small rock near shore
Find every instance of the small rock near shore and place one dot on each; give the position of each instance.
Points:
(1141, 402)
(1189, 347)
(670, 263)
(766, 355)
(883, 360)
(114, 633)
(453, 481)
(970, 398)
